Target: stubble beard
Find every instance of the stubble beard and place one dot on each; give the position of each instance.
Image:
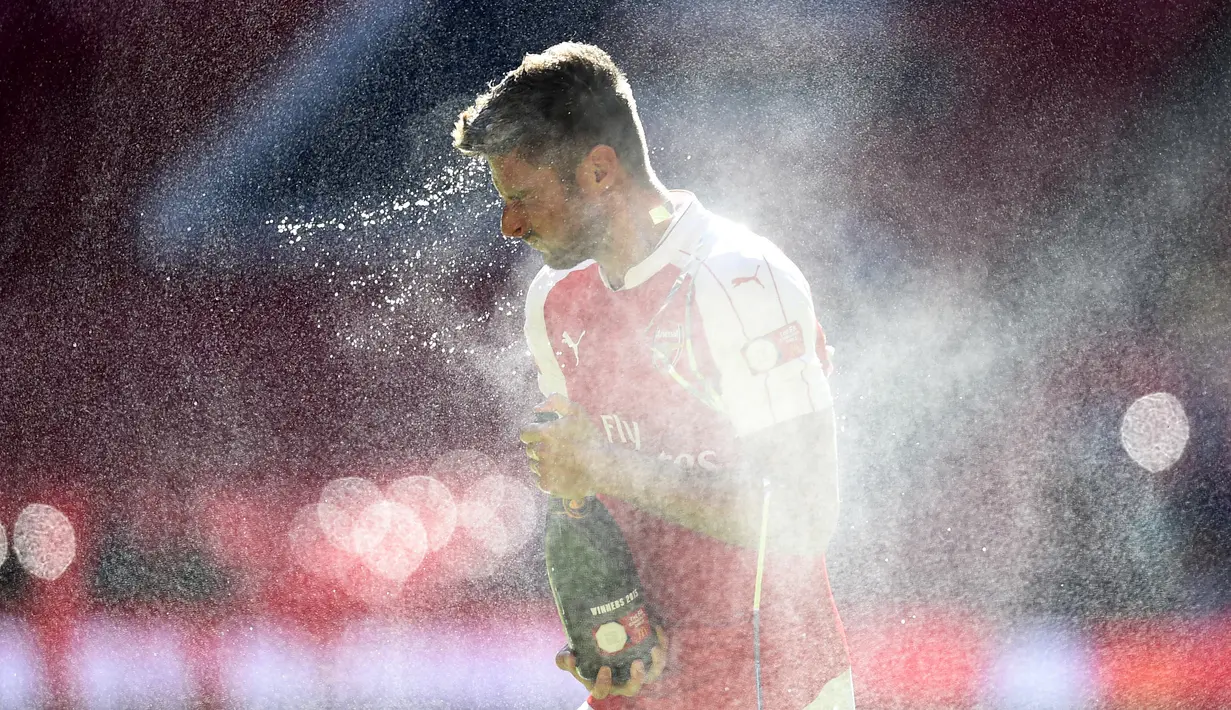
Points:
(583, 243)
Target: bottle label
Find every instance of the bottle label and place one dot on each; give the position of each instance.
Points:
(610, 638)
(615, 636)
(612, 606)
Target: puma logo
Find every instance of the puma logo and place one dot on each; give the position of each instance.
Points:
(741, 280)
(568, 340)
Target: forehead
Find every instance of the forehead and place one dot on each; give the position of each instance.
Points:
(514, 176)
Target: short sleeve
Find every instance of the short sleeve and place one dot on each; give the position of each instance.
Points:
(762, 331)
(550, 376)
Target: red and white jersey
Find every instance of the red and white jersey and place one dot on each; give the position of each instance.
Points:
(713, 336)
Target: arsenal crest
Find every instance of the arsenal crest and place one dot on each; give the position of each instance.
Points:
(667, 344)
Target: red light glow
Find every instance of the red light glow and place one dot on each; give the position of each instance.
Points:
(313, 551)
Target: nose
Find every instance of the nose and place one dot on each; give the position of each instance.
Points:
(513, 222)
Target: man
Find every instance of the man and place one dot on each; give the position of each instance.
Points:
(684, 357)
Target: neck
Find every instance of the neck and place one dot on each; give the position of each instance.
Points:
(633, 234)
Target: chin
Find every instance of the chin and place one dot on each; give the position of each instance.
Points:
(562, 261)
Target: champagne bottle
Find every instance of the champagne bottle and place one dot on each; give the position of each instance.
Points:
(596, 588)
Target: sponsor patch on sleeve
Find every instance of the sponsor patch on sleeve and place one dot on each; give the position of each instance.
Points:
(775, 348)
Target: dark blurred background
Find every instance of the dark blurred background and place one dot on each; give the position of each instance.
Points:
(239, 260)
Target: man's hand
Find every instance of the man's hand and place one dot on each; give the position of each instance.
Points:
(638, 676)
(564, 452)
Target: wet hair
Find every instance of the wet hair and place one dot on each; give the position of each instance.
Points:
(554, 109)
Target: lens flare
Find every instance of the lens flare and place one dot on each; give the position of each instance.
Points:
(341, 502)
(499, 512)
(1154, 431)
(431, 502)
(43, 541)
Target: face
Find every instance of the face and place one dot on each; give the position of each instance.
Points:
(547, 211)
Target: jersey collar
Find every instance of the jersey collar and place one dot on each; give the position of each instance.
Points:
(685, 218)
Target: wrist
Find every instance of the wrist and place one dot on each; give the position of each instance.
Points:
(603, 467)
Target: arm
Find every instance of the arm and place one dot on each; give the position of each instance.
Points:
(573, 460)
(798, 459)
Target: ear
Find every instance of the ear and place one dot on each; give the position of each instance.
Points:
(599, 170)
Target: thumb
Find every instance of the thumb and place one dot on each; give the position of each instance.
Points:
(565, 660)
(557, 403)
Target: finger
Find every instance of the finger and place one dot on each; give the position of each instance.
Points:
(566, 661)
(531, 433)
(658, 663)
(539, 483)
(557, 403)
(658, 656)
(572, 667)
(602, 683)
(561, 406)
(636, 676)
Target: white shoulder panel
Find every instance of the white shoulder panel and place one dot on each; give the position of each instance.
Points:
(760, 324)
(550, 377)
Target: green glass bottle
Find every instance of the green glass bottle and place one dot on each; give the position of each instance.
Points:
(597, 591)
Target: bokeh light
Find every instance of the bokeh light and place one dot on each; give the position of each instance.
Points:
(130, 663)
(1154, 431)
(43, 541)
(341, 502)
(390, 540)
(265, 666)
(1041, 667)
(22, 680)
(432, 503)
(499, 512)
